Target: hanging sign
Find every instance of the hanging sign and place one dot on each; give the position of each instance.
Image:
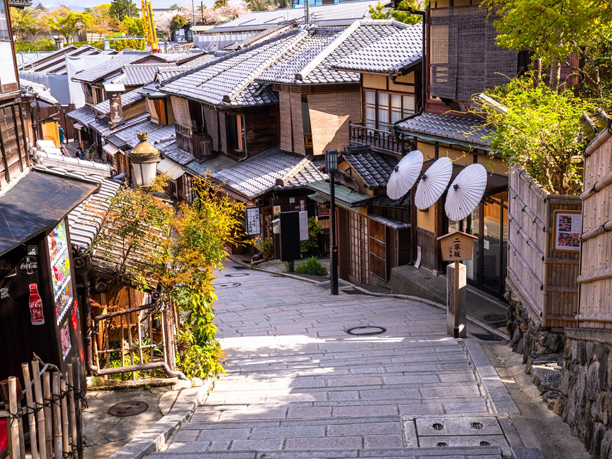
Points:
(417, 263)
(303, 225)
(33, 250)
(28, 266)
(568, 226)
(291, 200)
(276, 210)
(253, 221)
(116, 110)
(302, 205)
(4, 293)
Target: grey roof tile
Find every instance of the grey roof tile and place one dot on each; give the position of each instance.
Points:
(84, 115)
(55, 63)
(127, 99)
(258, 175)
(103, 125)
(107, 68)
(374, 169)
(465, 130)
(387, 55)
(137, 74)
(174, 152)
(156, 132)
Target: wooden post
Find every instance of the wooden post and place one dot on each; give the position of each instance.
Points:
(13, 427)
(71, 389)
(77, 388)
(57, 415)
(65, 422)
(29, 409)
(456, 329)
(48, 413)
(40, 415)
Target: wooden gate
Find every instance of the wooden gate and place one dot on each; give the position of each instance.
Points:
(52, 407)
(379, 251)
(358, 248)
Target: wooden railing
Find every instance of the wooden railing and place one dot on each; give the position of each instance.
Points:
(379, 140)
(183, 137)
(50, 403)
(136, 341)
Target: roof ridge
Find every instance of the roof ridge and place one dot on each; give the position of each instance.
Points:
(327, 51)
(221, 59)
(265, 65)
(295, 170)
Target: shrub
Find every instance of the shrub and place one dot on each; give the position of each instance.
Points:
(311, 266)
(34, 46)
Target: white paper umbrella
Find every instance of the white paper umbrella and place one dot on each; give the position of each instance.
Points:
(405, 174)
(465, 192)
(433, 183)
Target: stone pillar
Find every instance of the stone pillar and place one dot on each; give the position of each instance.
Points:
(450, 299)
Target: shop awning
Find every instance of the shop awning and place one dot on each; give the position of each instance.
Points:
(78, 126)
(390, 222)
(37, 203)
(319, 197)
(110, 149)
(170, 168)
(344, 196)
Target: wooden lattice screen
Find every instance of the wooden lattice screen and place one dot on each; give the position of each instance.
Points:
(463, 55)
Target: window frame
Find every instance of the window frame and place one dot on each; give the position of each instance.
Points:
(377, 124)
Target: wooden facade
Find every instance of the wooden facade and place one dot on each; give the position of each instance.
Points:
(543, 276)
(595, 280)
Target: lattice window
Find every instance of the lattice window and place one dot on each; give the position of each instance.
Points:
(359, 250)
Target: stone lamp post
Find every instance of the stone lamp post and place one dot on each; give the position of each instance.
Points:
(144, 158)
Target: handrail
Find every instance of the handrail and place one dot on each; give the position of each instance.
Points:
(378, 139)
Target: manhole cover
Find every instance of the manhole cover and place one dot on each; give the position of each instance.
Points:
(125, 409)
(230, 284)
(495, 318)
(366, 330)
(237, 275)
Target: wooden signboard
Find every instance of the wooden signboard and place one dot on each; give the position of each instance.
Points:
(567, 230)
(456, 246)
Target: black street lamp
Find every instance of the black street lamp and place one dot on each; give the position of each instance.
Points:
(331, 166)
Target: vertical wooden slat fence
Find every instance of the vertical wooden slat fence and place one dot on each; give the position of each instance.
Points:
(595, 278)
(51, 407)
(544, 277)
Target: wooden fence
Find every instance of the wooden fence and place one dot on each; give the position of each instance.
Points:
(50, 403)
(596, 262)
(546, 278)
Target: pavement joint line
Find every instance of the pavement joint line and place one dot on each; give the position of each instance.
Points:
(386, 295)
(156, 436)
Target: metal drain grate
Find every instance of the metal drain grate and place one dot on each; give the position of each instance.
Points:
(366, 330)
(230, 285)
(126, 409)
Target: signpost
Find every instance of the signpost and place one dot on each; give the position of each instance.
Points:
(456, 246)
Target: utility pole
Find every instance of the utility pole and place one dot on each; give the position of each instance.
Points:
(307, 6)
(193, 8)
(202, 10)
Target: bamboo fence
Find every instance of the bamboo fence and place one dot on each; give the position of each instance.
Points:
(546, 278)
(595, 278)
(50, 404)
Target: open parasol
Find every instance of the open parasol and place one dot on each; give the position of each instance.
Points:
(405, 174)
(465, 192)
(433, 183)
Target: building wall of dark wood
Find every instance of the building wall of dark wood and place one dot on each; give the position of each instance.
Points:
(12, 141)
(261, 129)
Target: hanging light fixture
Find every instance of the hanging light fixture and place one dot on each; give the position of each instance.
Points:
(144, 158)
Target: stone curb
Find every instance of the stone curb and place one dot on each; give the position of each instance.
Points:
(292, 276)
(495, 390)
(155, 437)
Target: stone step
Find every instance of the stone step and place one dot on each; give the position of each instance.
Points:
(483, 452)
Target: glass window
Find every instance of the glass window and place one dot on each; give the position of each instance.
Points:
(370, 109)
(382, 109)
(4, 31)
(408, 105)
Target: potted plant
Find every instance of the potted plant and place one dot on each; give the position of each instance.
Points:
(264, 245)
(310, 245)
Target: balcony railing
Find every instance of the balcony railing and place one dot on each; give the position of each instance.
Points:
(381, 141)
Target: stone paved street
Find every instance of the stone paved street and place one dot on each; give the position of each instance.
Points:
(298, 386)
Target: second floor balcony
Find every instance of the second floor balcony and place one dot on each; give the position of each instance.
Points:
(381, 141)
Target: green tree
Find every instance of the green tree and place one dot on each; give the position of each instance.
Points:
(132, 26)
(401, 14)
(121, 8)
(538, 129)
(553, 30)
(66, 22)
(177, 23)
(379, 12)
(188, 249)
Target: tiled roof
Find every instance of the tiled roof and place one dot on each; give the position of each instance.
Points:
(137, 74)
(103, 125)
(388, 55)
(462, 129)
(127, 99)
(156, 132)
(55, 63)
(311, 61)
(174, 152)
(374, 169)
(230, 80)
(83, 115)
(201, 168)
(344, 195)
(258, 175)
(107, 68)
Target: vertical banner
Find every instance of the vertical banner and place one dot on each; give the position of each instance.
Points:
(303, 225)
(253, 221)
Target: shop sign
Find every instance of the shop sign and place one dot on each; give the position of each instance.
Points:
(28, 266)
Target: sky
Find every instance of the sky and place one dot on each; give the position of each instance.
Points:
(89, 3)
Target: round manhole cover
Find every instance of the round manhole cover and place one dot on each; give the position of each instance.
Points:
(237, 275)
(495, 317)
(366, 330)
(230, 284)
(125, 409)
